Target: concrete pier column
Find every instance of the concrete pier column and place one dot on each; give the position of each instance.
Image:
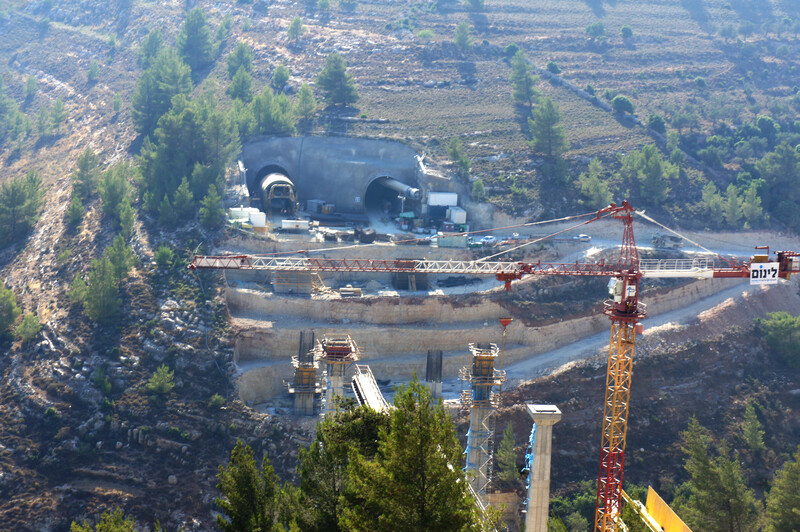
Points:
(544, 416)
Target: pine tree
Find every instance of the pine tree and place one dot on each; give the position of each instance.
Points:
(414, 482)
(102, 295)
(162, 381)
(240, 57)
(752, 433)
(507, 456)
(151, 45)
(523, 83)
(713, 202)
(20, 199)
(241, 87)
(77, 290)
(250, 495)
(594, 189)
(121, 257)
(166, 77)
(211, 209)
(732, 208)
(336, 83)
(84, 178)
(126, 217)
(280, 77)
(719, 499)
(183, 201)
(478, 190)
(166, 214)
(75, 211)
(109, 522)
(296, 29)
(194, 40)
(461, 38)
(114, 188)
(751, 206)
(783, 500)
(306, 103)
(9, 311)
(548, 136)
(58, 114)
(323, 466)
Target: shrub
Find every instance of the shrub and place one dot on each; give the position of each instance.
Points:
(216, 402)
(700, 83)
(164, 256)
(627, 32)
(425, 35)
(781, 331)
(28, 328)
(553, 67)
(622, 104)
(590, 89)
(161, 383)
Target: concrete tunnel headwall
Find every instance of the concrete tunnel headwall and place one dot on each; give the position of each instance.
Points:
(339, 170)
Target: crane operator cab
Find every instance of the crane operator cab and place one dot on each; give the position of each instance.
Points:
(617, 290)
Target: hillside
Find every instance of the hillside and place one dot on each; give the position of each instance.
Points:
(79, 430)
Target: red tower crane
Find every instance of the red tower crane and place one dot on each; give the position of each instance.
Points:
(623, 309)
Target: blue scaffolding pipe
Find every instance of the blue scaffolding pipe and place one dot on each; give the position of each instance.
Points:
(529, 461)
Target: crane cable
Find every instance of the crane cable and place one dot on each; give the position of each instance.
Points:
(662, 226)
(543, 238)
(527, 224)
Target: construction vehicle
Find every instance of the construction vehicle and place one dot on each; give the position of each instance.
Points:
(623, 309)
(660, 241)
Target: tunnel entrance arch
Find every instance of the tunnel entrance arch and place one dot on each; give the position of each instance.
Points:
(386, 195)
(276, 191)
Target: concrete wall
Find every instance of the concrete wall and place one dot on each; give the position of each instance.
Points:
(335, 169)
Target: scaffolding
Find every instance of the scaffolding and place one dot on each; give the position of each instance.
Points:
(482, 402)
(305, 388)
(338, 353)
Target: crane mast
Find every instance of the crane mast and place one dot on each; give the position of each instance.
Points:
(623, 309)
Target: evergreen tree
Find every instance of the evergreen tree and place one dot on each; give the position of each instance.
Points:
(126, 217)
(548, 135)
(280, 77)
(74, 211)
(84, 178)
(752, 433)
(44, 124)
(240, 57)
(336, 83)
(478, 190)
(77, 290)
(162, 381)
(121, 257)
(273, 115)
(183, 202)
(712, 201)
(751, 206)
(194, 40)
(323, 466)
(414, 482)
(102, 295)
(783, 500)
(9, 311)
(732, 208)
(622, 104)
(781, 331)
(594, 190)
(58, 114)
(28, 328)
(31, 87)
(241, 87)
(250, 495)
(109, 522)
(455, 149)
(151, 45)
(507, 456)
(461, 38)
(166, 214)
(211, 209)
(20, 199)
(523, 82)
(114, 188)
(719, 500)
(306, 103)
(166, 77)
(646, 172)
(296, 29)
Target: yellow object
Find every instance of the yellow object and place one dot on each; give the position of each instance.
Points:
(663, 514)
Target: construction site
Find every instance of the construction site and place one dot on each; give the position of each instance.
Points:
(346, 298)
